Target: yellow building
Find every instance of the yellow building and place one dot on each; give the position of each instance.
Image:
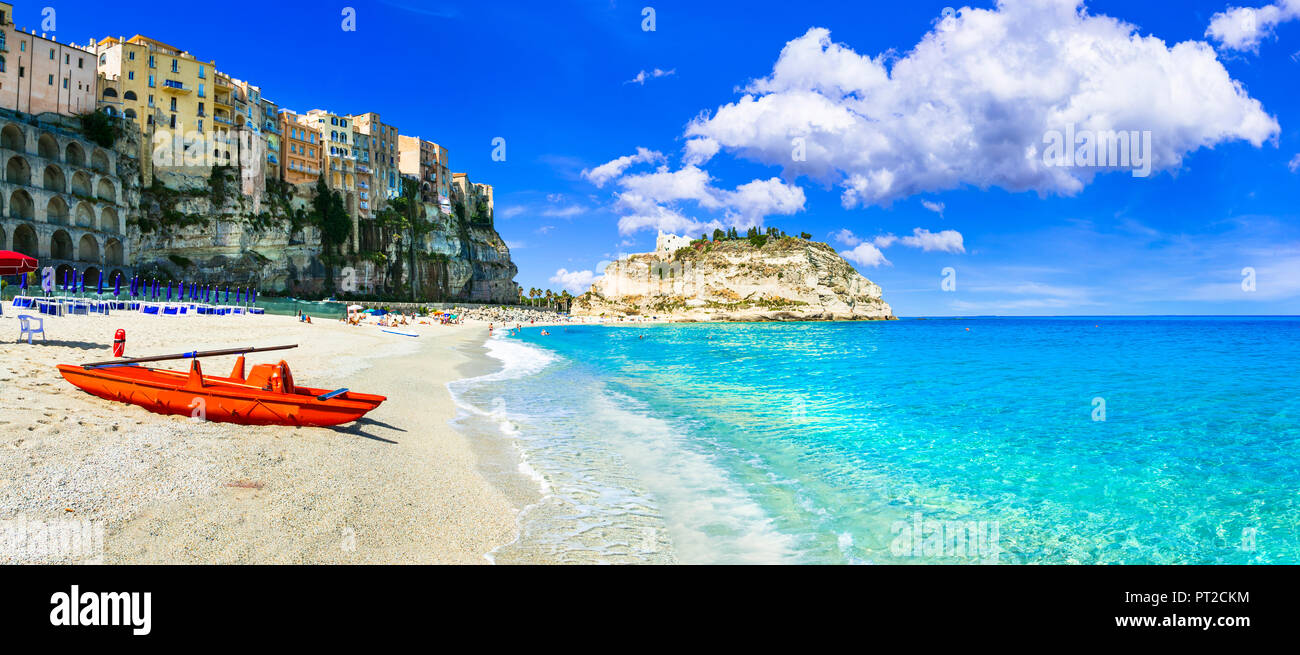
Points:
(162, 87)
(300, 160)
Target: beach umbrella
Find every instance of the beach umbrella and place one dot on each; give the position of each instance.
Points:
(169, 292)
(180, 295)
(99, 288)
(239, 296)
(82, 282)
(65, 279)
(13, 263)
(227, 295)
(252, 295)
(117, 285)
(23, 284)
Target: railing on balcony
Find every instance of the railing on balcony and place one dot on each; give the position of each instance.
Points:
(173, 85)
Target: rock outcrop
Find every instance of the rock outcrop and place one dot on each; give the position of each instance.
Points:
(206, 228)
(767, 279)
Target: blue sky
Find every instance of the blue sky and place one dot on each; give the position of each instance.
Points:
(558, 81)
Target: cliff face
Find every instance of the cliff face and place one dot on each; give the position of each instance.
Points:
(786, 279)
(212, 228)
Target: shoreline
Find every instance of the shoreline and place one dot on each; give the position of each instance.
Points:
(401, 485)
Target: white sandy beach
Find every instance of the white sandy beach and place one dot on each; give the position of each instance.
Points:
(399, 486)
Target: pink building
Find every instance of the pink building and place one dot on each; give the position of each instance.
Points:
(39, 74)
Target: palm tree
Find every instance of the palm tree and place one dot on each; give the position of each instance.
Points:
(549, 296)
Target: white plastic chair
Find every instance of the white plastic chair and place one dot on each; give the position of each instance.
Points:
(26, 329)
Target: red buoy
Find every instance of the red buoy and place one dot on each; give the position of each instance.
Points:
(119, 343)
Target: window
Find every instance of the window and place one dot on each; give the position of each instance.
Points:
(130, 75)
(172, 124)
(173, 104)
(65, 82)
(80, 62)
(175, 66)
(129, 95)
(151, 84)
(201, 71)
(129, 55)
(202, 94)
(51, 54)
(2, 64)
(103, 59)
(22, 46)
(51, 80)
(150, 99)
(67, 58)
(200, 122)
(200, 109)
(151, 62)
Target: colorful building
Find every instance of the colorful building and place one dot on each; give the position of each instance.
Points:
(39, 74)
(382, 154)
(300, 149)
(427, 162)
(158, 85)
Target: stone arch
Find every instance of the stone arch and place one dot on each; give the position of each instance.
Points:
(88, 249)
(25, 241)
(113, 253)
(106, 191)
(61, 245)
(76, 155)
(81, 184)
(85, 215)
(61, 273)
(116, 274)
(12, 137)
(129, 95)
(18, 171)
(47, 147)
(21, 205)
(99, 161)
(110, 92)
(56, 211)
(2, 239)
(92, 277)
(108, 220)
(55, 180)
(129, 113)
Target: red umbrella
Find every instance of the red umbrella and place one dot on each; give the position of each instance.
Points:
(13, 263)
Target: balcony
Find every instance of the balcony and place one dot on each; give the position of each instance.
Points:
(172, 86)
(223, 120)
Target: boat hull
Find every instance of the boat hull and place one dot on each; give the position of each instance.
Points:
(218, 399)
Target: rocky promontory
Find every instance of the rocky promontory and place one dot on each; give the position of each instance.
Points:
(765, 278)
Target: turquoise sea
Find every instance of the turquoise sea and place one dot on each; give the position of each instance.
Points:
(957, 441)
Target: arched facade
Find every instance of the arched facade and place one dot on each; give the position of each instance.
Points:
(84, 216)
(61, 245)
(59, 200)
(18, 171)
(54, 179)
(88, 249)
(25, 241)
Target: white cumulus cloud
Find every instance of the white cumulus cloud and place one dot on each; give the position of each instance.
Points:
(1243, 28)
(865, 255)
(607, 171)
(943, 241)
(670, 200)
(972, 102)
(573, 281)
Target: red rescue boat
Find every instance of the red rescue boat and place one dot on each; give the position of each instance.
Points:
(266, 396)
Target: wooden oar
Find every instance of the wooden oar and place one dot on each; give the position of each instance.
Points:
(189, 355)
